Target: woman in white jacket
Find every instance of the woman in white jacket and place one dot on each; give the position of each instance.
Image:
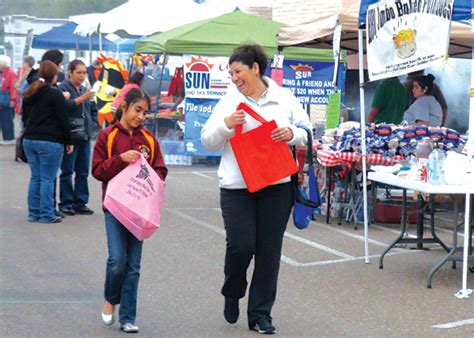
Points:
(254, 222)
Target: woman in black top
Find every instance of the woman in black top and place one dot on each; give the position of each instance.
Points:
(46, 132)
(75, 195)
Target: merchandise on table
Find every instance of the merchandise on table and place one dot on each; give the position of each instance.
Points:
(388, 139)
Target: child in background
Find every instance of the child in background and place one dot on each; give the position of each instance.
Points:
(117, 146)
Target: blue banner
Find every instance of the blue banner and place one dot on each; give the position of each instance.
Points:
(196, 113)
(311, 81)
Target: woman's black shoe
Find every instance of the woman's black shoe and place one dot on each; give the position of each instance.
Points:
(231, 310)
(83, 210)
(67, 211)
(263, 326)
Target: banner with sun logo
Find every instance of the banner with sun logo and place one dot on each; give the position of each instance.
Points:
(206, 77)
(206, 80)
(405, 35)
(311, 81)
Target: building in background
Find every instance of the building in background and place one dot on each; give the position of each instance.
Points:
(18, 31)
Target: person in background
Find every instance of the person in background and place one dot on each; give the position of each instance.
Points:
(74, 197)
(91, 72)
(53, 55)
(26, 68)
(135, 81)
(389, 102)
(426, 110)
(8, 100)
(46, 133)
(254, 222)
(130, 141)
(435, 92)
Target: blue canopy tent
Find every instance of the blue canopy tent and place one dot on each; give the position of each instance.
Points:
(125, 45)
(461, 10)
(63, 37)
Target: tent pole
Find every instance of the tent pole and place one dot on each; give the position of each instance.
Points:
(100, 38)
(158, 100)
(90, 49)
(77, 46)
(363, 143)
(465, 292)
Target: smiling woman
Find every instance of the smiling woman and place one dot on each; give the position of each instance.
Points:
(254, 222)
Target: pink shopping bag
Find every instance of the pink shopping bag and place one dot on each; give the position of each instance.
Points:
(135, 197)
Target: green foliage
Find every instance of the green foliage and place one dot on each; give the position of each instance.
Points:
(56, 8)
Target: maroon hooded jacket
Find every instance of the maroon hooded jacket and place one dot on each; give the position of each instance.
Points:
(115, 140)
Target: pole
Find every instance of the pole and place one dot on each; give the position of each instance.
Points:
(90, 49)
(465, 292)
(100, 38)
(363, 143)
(158, 100)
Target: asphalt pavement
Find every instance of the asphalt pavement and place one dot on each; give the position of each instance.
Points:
(51, 275)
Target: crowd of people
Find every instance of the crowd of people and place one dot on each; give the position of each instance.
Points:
(255, 223)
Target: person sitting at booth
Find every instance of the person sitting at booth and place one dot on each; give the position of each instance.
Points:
(425, 110)
(436, 93)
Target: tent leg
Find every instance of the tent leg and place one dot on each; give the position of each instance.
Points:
(364, 149)
(465, 292)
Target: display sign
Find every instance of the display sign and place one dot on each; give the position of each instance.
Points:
(310, 81)
(206, 77)
(197, 112)
(405, 36)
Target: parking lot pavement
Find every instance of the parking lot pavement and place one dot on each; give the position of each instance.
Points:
(51, 275)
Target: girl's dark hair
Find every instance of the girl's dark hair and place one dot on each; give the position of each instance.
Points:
(133, 96)
(46, 73)
(137, 78)
(426, 81)
(74, 64)
(248, 54)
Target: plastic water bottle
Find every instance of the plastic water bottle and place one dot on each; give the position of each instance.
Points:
(436, 167)
(423, 151)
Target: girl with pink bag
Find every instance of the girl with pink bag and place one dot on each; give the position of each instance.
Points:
(118, 145)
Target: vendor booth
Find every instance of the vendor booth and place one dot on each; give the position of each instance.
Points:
(206, 45)
(319, 33)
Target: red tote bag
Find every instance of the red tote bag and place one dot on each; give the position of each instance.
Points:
(261, 160)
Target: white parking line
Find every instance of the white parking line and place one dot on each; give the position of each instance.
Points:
(203, 175)
(318, 246)
(454, 324)
(220, 231)
(197, 221)
(190, 172)
(291, 261)
(350, 234)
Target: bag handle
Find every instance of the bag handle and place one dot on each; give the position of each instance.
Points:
(309, 152)
(251, 112)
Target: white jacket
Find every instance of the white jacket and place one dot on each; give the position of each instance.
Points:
(278, 104)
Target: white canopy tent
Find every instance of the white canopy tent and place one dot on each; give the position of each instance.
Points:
(142, 17)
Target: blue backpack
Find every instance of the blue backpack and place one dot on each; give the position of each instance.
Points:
(306, 193)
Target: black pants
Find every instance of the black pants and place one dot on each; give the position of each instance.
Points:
(255, 224)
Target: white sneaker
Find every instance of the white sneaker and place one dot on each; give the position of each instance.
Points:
(107, 319)
(7, 143)
(129, 328)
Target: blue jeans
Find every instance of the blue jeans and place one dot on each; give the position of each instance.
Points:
(6, 123)
(123, 268)
(77, 162)
(44, 158)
